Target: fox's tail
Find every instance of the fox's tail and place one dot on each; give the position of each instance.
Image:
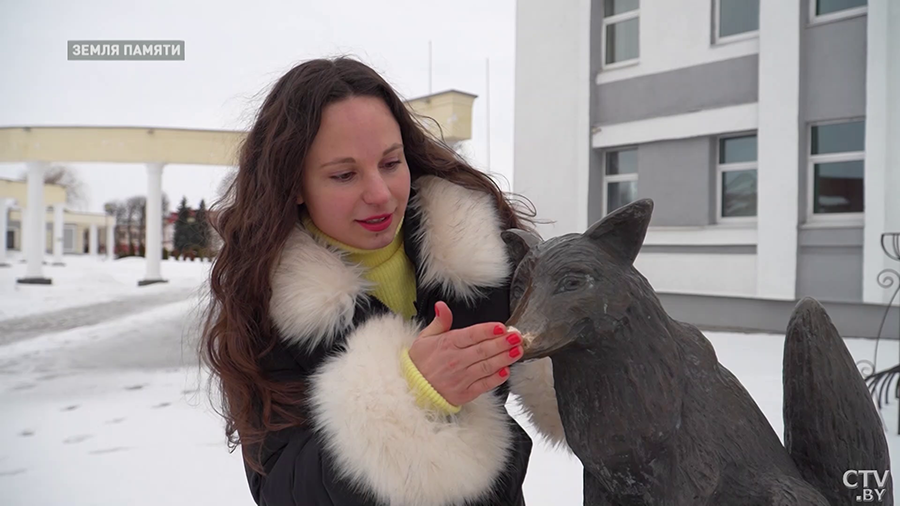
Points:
(831, 425)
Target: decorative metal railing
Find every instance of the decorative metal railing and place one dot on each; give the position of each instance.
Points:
(880, 382)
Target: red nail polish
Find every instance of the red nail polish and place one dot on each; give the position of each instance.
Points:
(514, 339)
(504, 372)
(514, 352)
(499, 330)
(437, 312)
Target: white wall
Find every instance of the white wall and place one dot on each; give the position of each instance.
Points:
(552, 123)
(736, 118)
(677, 34)
(700, 273)
(778, 147)
(882, 177)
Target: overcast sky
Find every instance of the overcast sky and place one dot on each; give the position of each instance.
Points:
(234, 50)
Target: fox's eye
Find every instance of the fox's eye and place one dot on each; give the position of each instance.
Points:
(569, 283)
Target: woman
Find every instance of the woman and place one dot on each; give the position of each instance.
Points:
(345, 231)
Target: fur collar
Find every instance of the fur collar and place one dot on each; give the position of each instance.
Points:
(315, 289)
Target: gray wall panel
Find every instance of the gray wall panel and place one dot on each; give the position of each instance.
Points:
(849, 236)
(737, 249)
(830, 273)
(751, 314)
(835, 83)
(690, 89)
(675, 174)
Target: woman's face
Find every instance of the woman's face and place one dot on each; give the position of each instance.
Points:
(355, 179)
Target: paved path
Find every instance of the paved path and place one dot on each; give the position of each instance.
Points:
(26, 327)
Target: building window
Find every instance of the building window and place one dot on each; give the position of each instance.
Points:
(621, 178)
(836, 169)
(736, 19)
(69, 238)
(620, 35)
(827, 10)
(737, 178)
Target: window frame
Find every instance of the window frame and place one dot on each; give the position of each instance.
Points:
(812, 160)
(69, 231)
(730, 167)
(835, 16)
(616, 178)
(719, 40)
(611, 20)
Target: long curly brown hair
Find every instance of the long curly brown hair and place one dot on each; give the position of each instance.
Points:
(254, 217)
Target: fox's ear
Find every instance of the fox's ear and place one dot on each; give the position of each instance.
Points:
(519, 243)
(622, 231)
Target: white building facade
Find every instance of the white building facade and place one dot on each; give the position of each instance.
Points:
(767, 132)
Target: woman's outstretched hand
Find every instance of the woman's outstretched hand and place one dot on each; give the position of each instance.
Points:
(462, 364)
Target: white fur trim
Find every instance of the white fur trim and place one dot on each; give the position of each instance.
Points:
(384, 442)
(460, 236)
(532, 383)
(314, 291)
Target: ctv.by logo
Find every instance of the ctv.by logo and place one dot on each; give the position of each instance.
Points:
(867, 494)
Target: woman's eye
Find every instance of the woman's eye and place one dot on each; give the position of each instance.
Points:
(343, 177)
(392, 164)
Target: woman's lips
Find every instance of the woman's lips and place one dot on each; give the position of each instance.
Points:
(377, 226)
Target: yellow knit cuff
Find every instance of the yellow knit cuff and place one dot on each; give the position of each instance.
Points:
(426, 396)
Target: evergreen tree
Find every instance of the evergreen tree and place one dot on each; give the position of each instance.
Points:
(183, 230)
(201, 226)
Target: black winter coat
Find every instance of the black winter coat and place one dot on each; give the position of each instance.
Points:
(368, 443)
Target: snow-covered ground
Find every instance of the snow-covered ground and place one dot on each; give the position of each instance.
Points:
(111, 407)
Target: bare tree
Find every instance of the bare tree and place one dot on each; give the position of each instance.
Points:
(119, 210)
(133, 207)
(165, 206)
(225, 189)
(137, 207)
(68, 178)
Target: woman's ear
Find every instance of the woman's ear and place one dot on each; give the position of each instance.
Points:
(299, 199)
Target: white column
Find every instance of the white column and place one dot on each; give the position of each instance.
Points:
(23, 234)
(37, 212)
(882, 175)
(58, 234)
(43, 233)
(154, 224)
(93, 240)
(5, 204)
(552, 111)
(111, 238)
(778, 147)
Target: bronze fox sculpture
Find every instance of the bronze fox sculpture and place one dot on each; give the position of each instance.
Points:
(645, 405)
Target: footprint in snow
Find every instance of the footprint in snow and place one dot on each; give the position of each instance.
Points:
(77, 439)
(109, 450)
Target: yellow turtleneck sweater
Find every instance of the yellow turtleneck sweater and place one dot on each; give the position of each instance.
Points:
(388, 268)
(395, 285)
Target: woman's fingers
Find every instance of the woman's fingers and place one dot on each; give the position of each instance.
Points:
(442, 312)
(492, 365)
(464, 363)
(488, 383)
(442, 322)
(476, 334)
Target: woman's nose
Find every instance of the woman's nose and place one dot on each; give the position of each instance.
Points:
(376, 191)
